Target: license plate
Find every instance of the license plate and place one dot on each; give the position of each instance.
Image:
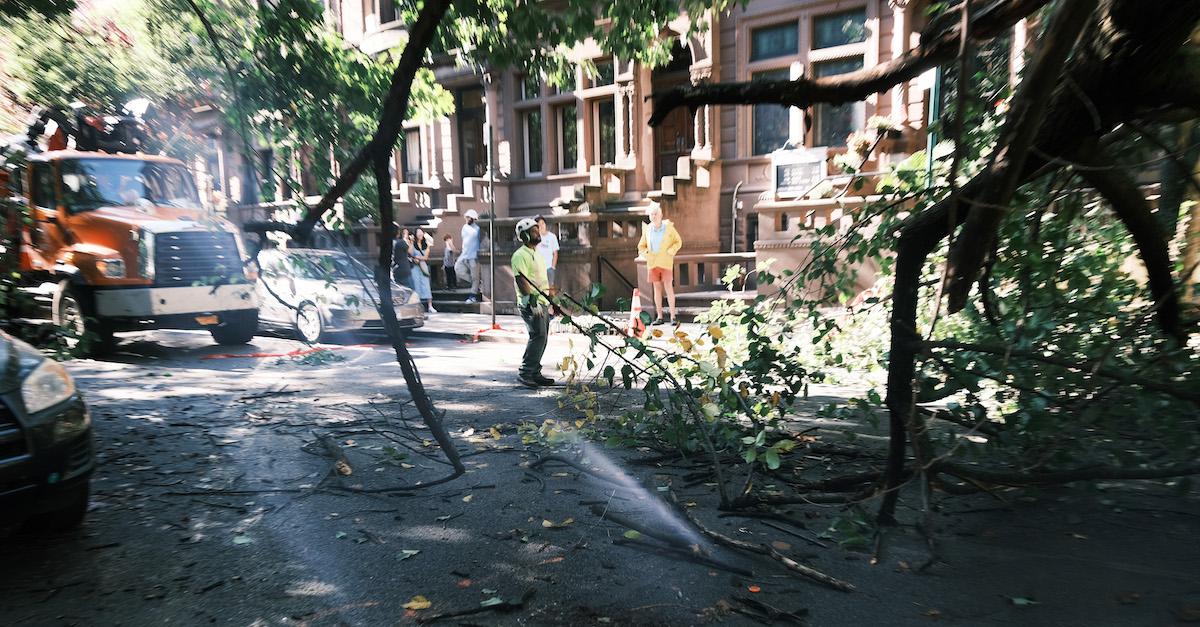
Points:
(208, 320)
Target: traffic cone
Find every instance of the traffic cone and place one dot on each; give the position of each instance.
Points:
(636, 327)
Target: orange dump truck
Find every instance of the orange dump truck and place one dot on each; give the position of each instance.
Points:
(109, 242)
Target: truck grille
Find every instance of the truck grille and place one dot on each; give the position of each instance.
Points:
(196, 258)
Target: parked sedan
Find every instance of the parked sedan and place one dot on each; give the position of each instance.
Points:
(46, 457)
(315, 292)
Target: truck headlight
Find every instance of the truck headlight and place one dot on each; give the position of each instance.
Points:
(145, 244)
(111, 268)
(48, 385)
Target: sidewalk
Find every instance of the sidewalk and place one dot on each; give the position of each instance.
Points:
(473, 327)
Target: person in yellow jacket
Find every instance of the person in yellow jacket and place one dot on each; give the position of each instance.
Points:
(660, 241)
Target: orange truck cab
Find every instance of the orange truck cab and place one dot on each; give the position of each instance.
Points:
(118, 242)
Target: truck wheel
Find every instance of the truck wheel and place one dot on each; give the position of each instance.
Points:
(309, 326)
(65, 518)
(73, 311)
(236, 327)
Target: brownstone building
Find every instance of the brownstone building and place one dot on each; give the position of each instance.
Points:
(585, 157)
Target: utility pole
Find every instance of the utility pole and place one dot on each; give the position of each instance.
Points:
(487, 81)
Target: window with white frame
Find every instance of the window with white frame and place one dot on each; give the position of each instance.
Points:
(410, 162)
(835, 43)
(777, 40)
(833, 123)
(772, 123)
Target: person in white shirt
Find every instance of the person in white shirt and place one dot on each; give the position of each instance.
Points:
(548, 249)
(467, 266)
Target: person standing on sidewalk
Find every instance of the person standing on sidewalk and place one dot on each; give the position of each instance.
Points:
(529, 277)
(467, 266)
(660, 241)
(401, 261)
(448, 262)
(548, 249)
(420, 269)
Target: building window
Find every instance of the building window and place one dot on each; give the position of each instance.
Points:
(606, 131)
(604, 73)
(833, 123)
(533, 141)
(410, 156)
(531, 87)
(772, 123)
(387, 12)
(840, 29)
(769, 42)
(568, 138)
(470, 111)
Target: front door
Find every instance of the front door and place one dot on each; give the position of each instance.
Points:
(673, 139)
(472, 145)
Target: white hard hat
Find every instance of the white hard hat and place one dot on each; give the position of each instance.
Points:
(472, 214)
(524, 226)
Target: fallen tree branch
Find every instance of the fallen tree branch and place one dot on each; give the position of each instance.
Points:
(1095, 473)
(1089, 368)
(765, 549)
(1034, 93)
(1132, 208)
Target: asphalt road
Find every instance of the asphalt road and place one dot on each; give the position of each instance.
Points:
(214, 504)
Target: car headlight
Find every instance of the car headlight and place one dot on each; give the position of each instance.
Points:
(111, 268)
(48, 385)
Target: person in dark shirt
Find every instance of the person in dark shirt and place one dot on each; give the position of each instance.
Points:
(401, 260)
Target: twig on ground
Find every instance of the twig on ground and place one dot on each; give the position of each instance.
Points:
(669, 538)
(683, 554)
(506, 606)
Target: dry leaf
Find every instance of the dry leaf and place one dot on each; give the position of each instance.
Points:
(418, 603)
(343, 468)
(495, 433)
(467, 498)
(782, 546)
(464, 583)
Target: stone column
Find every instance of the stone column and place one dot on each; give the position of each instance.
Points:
(625, 124)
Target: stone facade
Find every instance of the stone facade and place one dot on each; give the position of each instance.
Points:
(585, 157)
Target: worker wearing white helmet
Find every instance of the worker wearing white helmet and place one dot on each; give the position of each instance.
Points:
(529, 277)
(467, 266)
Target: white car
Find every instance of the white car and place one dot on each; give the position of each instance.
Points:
(315, 292)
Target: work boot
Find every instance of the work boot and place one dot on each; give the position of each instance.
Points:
(529, 381)
(543, 379)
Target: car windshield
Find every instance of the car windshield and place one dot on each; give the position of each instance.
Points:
(332, 267)
(92, 183)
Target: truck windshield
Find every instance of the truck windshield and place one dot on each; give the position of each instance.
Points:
(92, 183)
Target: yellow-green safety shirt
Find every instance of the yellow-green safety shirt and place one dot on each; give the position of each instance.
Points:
(528, 263)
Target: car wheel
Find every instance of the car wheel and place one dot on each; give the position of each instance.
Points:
(309, 326)
(236, 327)
(65, 518)
(73, 312)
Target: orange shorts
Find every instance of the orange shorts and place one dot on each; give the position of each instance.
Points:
(659, 275)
